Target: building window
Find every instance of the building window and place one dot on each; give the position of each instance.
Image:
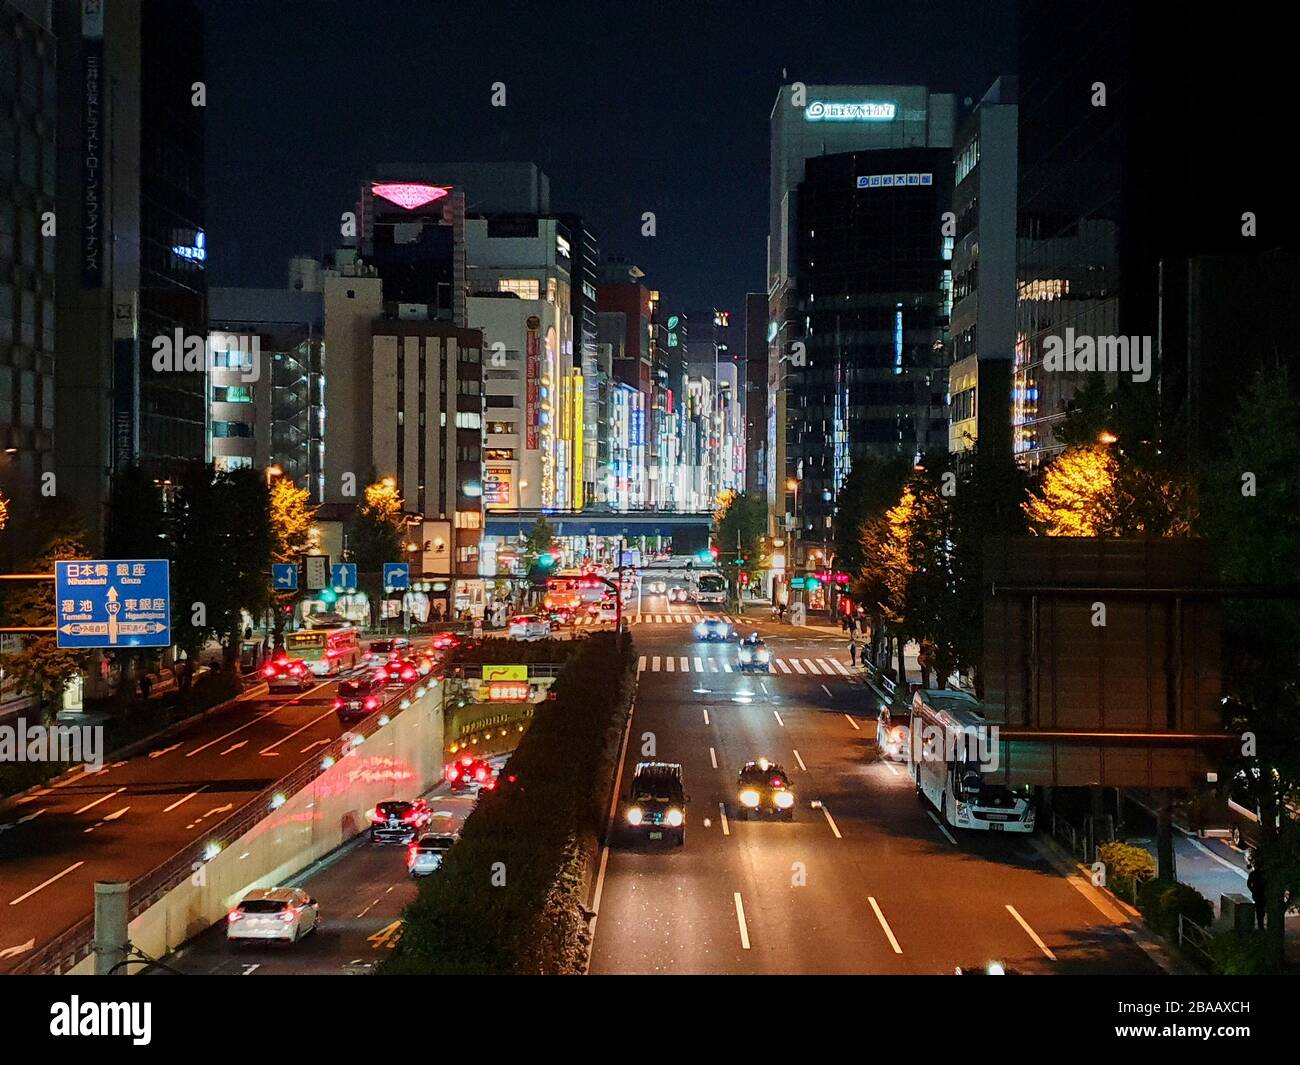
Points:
(499, 454)
(501, 401)
(469, 519)
(469, 420)
(467, 387)
(232, 394)
(526, 288)
(221, 430)
(506, 428)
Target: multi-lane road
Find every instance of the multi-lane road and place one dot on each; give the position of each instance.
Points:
(864, 880)
(136, 813)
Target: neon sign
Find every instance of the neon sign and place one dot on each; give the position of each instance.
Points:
(839, 111)
(408, 194)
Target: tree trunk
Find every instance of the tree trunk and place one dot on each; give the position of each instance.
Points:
(1166, 866)
(902, 663)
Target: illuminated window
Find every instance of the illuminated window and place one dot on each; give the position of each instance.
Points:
(526, 288)
(469, 420)
(469, 519)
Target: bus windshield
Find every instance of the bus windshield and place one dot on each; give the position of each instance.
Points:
(711, 582)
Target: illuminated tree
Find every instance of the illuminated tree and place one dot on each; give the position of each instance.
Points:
(4, 511)
(375, 536)
(1077, 496)
(292, 517)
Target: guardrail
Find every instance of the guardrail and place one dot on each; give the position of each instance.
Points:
(1195, 940)
(77, 942)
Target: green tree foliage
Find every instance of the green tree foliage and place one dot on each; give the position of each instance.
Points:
(871, 488)
(375, 537)
(136, 526)
(292, 516)
(1251, 512)
(40, 667)
(540, 538)
(738, 530)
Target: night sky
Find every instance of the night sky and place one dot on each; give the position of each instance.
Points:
(628, 107)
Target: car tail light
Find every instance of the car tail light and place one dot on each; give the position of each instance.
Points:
(295, 669)
(338, 704)
(453, 773)
(234, 915)
(269, 671)
(287, 916)
(371, 703)
(480, 773)
(490, 784)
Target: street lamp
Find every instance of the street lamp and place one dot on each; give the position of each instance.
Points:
(273, 472)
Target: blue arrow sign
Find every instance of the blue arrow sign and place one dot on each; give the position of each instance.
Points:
(397, 575)
(284, 576)
(113, 603)
(344, 575)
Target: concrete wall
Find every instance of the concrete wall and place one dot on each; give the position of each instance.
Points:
(401, 760)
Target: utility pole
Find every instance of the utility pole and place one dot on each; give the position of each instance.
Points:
(618, 600)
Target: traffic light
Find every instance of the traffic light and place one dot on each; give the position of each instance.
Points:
(744, 578)
(546, 561)
(328, 596)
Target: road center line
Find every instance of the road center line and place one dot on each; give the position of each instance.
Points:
(827, 691)
(722, 814)
(246, 724)
(47, 883)
(763, 684)
(271, 749)
(713, 757)
(831, 821)
(852, 722)
(706, 715)
(884, 924)
(740, 918)
(777, 715)
(800, 761)
(1032, 934)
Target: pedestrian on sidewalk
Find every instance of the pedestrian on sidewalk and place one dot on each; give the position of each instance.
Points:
(1255, 885)
(145, 684)
(855, 644)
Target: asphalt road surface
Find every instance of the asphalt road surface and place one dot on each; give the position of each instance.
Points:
(863, 881)
(132, 815)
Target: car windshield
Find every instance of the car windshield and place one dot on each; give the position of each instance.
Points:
(385, 645)
(394, 809)
(354, 687)
(436, 843)
(773, 776)
(262, 905)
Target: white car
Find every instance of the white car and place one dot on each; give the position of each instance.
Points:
(892, 734)
(425, 855)
(677, 594)
(657, 587)
(528, 627)
(280, 913)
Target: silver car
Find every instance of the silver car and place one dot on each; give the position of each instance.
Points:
(425, 855)
(280, 913)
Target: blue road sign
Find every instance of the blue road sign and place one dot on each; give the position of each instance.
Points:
(344, 575)
(113, 603)
(397, 576)
(284, 576)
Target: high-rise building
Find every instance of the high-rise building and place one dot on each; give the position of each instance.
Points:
(856, 179)
(28, 120)
(584, 258)
(132, 248)
(983, 329)
(756, 443)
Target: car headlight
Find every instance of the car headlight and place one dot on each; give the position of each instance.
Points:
(748, 797)
(634, 815)
(745, 656)
(674, 817)
(700, 629)
(785, 799)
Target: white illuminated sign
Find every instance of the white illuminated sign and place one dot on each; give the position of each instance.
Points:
(562, 246)
(841, 111)
(889, 181)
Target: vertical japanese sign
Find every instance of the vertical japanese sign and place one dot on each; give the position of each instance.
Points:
(92, 146)
(532, 382)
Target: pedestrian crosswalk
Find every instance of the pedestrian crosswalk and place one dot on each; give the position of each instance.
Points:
(818, 667)
(677, 619)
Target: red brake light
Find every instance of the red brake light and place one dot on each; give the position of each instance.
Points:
(338, 703)
(234, 915)
(453, 773)
(269, 671)
(371, 703)
(480, 773)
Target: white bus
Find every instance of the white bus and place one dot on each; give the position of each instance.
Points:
(951, 744)
(711, 589)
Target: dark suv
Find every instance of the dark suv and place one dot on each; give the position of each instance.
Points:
(656, 806)
(360, 696)
(764, 787)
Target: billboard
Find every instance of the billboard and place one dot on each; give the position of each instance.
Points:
(532, 382)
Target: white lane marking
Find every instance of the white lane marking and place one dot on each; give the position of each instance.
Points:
(670, 664)
(251, 968)
(722, 816)
(706, 715)
(763, 684)
(713, 757)
(107, 818)
(826, 667)
(780, 664)
(314, 744)
(940, 825)
(23, 948)
(1217, 857)
(47, 883)
(835, 829)
(102, 798)
(852, 722)
(726, 666)
(890, 767)
(233, 747)
(699, 665)
(29, 817)
(801, 765)
(640, 666)
(178, 802)
(685, 665)
(247, 724)
(777, 715)
(844, 672)
(654, 664)
(270, 750)
(165, 750)
(798, 666)
(884, 924)
(1032, 934)
(827, 691)
(740, 918)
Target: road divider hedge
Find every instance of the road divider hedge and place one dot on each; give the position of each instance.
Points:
(511, 896)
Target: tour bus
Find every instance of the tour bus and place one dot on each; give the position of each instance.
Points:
(326, 652)
(951, 746)
(711, 589)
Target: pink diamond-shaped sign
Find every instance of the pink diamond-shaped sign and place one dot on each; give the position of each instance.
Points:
(408, 194)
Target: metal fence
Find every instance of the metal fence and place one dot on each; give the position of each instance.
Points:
(1195, 940)
(75, 943)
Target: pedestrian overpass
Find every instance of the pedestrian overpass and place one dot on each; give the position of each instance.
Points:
(688, 530)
